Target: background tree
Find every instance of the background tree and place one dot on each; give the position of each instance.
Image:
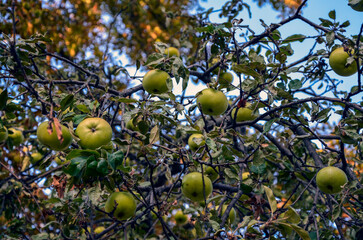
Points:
(257, 161)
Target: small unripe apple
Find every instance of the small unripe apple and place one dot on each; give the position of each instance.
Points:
(122, 204)
(331, 180)
(245, 175)
(192, 186)
(338, 62)
(212, 102)
(243, 114)
(193, 145)
(172, 51)
(225, 78)
(180, 217)
(16, 136)
(130, 125)
(155, 81)
(211, 173)
(35, 157)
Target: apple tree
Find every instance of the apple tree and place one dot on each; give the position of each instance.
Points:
(92, 149)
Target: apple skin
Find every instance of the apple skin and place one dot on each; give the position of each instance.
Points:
(15, 156)
(194, 146)
(154, 81)
(192, 186)
(356, 5)
(17, 136)
(243, 114)
(51, 140)
(126, 205)
(331, 179)
(232, 214)
(94, 133)
(338, 60)
(212, 102)
(180, 217)
(172, 51)
(225, 78)
(3, 134)
(211, 173)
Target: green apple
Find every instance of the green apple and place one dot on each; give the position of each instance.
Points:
(356, 5)
(180, 217)
(331, 180)
(16, 136)
(193, 145)
(232, 214)
(3, 134)
(243, 114)
(338, 62)
(51, 140)
(192, 186)
(122, 204)
(212, 102)
(155, 81)
(225, 78)
(211, 173)
(61, 160)
(172, 51)
(94, 133)
(35, 157)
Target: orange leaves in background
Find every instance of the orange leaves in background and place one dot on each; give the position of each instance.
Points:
(292, 3)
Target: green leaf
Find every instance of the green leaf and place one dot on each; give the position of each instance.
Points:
(83, 108)
(295, 84)
(76, 166)
(271, 199)
(295, 37)
(79, 118)
(330, 36)
(267, 125)
(102, 167)
(67, 101)
(115, 159)
(290, 215)
(332, 14)
(300, 231)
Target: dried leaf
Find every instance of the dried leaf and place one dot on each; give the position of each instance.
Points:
(58, 130)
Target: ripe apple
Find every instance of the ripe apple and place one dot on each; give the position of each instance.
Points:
(122, 204)
(180, 217)
(172, 51)
(192, 186)
(16, 136)
(193, 145)
(225, 78)
(94, 133)
(356, 5)
(243, 114)
(232, 214)
(51, 140)
(211, 173)
(3, 134)
(338, 60)
(155, 81)
(331, 180)
(212, 102)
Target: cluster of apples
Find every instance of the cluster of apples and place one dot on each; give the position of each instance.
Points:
(92, 133)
